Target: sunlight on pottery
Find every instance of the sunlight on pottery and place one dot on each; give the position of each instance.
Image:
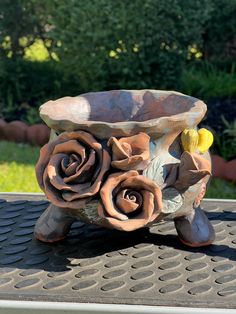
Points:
(189, 140)
(205, 140)
(115, 159)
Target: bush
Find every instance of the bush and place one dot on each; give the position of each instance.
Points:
(206, 80)
(25, 85)
(220, 31)
(126, 44)
(103, 45)
(21, 22)
(225, 142)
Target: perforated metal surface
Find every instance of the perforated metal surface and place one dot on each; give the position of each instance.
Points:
(149, 267)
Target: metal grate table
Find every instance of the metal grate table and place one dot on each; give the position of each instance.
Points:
(95, 265)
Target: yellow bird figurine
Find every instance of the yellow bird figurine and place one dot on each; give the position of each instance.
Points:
(189, 139)
(205, 140)
(193, 140)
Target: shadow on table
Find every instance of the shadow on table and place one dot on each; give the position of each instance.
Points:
(88, 245)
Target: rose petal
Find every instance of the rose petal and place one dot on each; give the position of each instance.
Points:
(106, 192)
(201, 162)
(53, 165)
(82, 188)
(134, 162)
(53, 170)
(192, 168)
(119, 151)
(148, 204)
(82, 169)
(83, 137)
(130, 152)
(64, 163)
(47, 149)
(44, 157)
(70, 147)
(141, 182)
(89, 141)
(74, 162)
(139, 221)
(54, 195)
(91, 188)
(71, 169)
(126, 205)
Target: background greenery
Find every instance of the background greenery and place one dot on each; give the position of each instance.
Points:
(53, 48)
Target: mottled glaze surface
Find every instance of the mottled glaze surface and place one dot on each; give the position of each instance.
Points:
(123, 113)
(115, 158)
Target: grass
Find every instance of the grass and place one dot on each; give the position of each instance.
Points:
(221, 189)
(225, 143)
(17, 162)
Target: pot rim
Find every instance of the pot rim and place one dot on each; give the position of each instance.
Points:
(154, 127)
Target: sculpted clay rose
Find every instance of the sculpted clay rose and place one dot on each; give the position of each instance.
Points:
(70, 169)
(130, 152)
(190, 170)
(129, 201)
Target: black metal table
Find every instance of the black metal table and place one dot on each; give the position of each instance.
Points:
(98, 266)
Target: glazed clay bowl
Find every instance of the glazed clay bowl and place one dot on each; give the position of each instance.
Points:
(115, 159)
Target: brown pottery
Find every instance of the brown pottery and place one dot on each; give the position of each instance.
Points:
(15, 131)
(2, 126)
(115, 159)
(37, 134)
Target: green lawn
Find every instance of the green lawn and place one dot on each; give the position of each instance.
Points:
(17, 163)
(221, 189)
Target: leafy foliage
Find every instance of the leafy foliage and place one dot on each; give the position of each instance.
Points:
(126, 44)
(100, 45)
(219, 35)
(21, 22)
(225, 143)
(25, 84)
(206, 81)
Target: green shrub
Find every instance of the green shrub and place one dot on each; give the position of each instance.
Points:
(225, 143)
(103, 44)
(25, 85)
(219, 36)
(126, 44)
(205, 80)
(21, 22)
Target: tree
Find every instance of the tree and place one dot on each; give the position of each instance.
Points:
(21, 22)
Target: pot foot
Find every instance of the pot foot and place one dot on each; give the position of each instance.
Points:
(195, 229)
(53, 225)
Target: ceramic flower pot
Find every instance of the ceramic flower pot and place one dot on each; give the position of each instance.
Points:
(2, 126)
(116, 159)
(223, 169)
(15, 131)
(37, 134)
